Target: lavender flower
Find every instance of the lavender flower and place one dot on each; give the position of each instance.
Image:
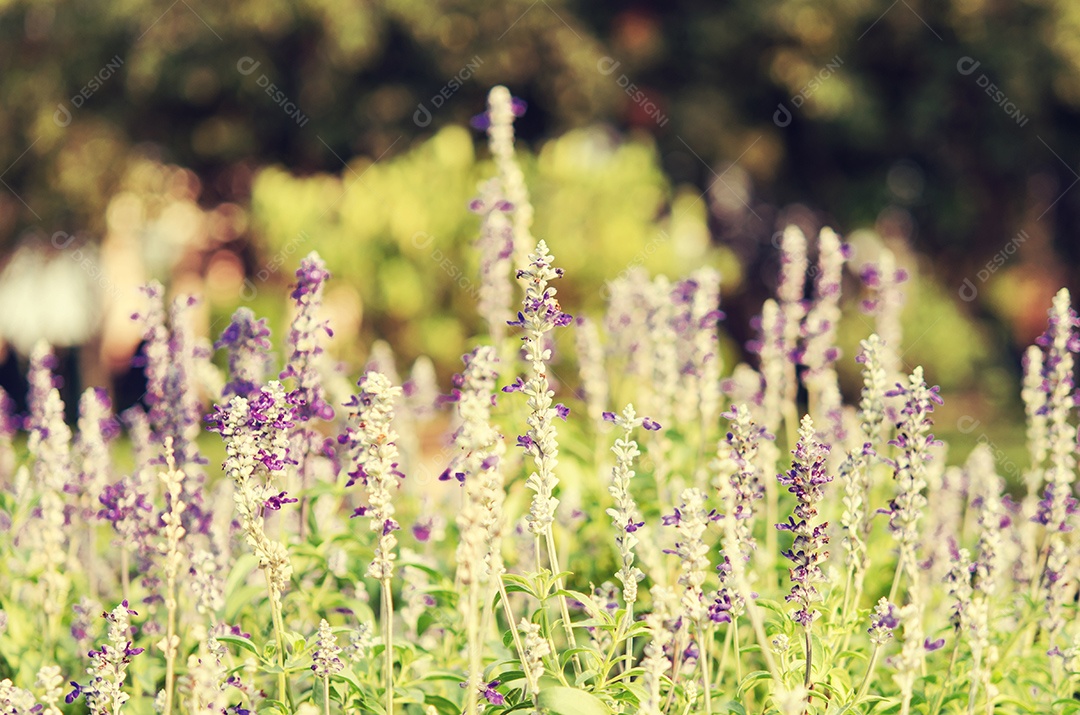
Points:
(886, 304)
(594, 382)
(49, 445)
(819, 353)
(302, 365)
(914, 441)
(541, 313)
(496, 248)
(97, 427)
(374, 450)
(325, 660)
(883, 622)
(805, 480)
(624, 515)
(480, 520)
(257, 445)
(9, 426)
(536, 648)
(247, 343)
(656, 663)
(740, 486)
(501, 112)
(693, 518)
(104, 693)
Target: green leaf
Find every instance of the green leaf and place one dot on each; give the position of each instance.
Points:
(571, 701)
(239, 642)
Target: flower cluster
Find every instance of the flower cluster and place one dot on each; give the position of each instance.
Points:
(375, 454)
(246, 340)
(624, 515)
(540, 314)
(104, 693)
(480, 520)
(914, 440)
(806, 480)
(257, 444)
(325, 660)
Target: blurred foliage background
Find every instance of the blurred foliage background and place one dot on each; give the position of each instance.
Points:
(210, 145)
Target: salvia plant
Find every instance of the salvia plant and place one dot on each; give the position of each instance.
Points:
(661, 535)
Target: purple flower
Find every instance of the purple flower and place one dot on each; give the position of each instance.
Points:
(246, 340)
(931, 646)
(275, 503)
(805, 480)
(562, 411)
(483, 121)
(608, 416)
(525, 441)
(650, 424)
(515, 386)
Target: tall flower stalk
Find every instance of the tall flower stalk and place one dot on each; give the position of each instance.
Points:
(479, 560)
(105, 692)
(540, 314)
(502, 109)
(375, 459)
(855, 471)
(302, 366)
(172, 480)
(49, 444)
(913, 440)
(624, 515)
(256, 435)
(1060, 341)
(806, 480)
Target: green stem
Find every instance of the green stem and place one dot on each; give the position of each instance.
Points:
(388, 638)
(865, 685)
(948, 676)
(534, 687)
(738, 655)
(474, 651)
(553, 557)
(326, 694)
(706, 677)
(279, 634)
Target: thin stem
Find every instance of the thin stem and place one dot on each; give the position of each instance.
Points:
(170, 647)
(125, 576)
(727, 647)
(629, 639)
(474, 650)
(553, 557)
(865, 685)
(945, 683)
(534, 687)
(809, 646)
(706, 675)
(738, 655)
(279, 633)
(326, 694)
(388, 639)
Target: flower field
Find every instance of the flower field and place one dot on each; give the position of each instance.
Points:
(594, 515)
